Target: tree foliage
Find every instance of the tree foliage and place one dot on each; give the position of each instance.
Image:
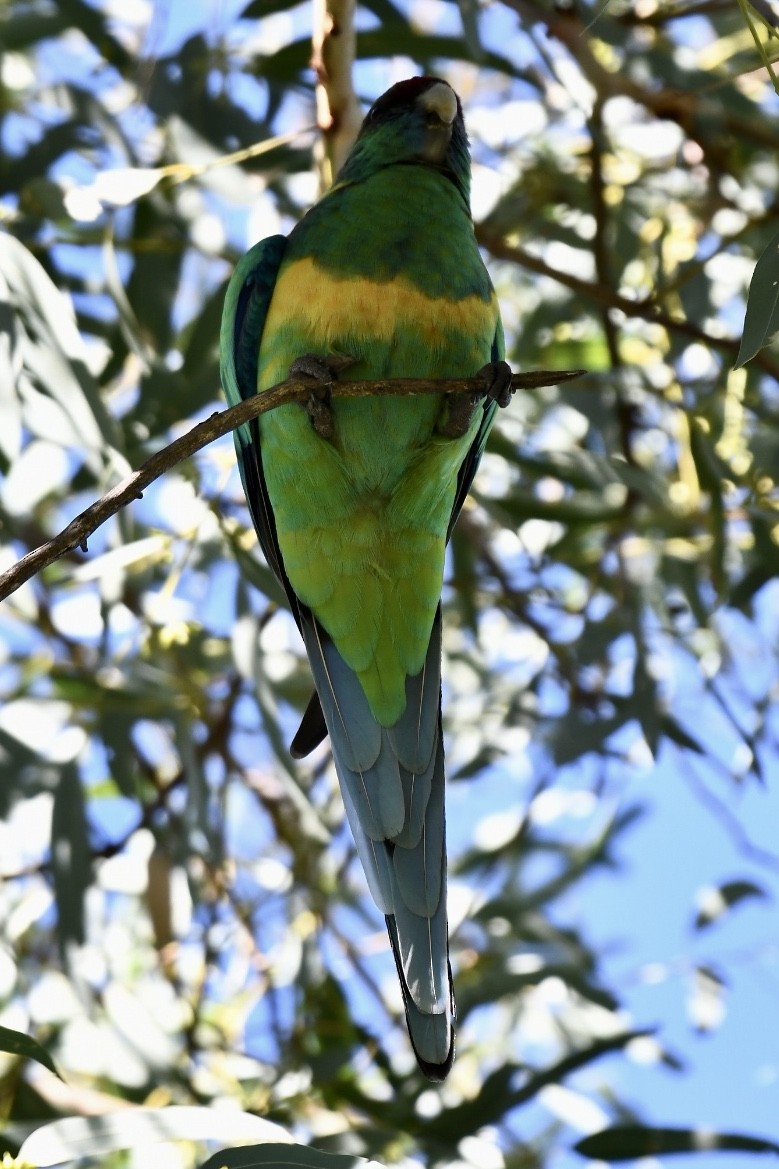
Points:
(184, 921)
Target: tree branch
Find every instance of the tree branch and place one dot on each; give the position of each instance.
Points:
(338, 111)
(711, 125)
(647, 308)
(293, 390)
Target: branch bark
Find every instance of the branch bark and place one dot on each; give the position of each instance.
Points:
(76, 533)
(339, 116)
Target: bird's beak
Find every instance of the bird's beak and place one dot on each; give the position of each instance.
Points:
(440, 105)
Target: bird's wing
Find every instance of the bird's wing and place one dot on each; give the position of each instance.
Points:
(243, 320)
(471, 461)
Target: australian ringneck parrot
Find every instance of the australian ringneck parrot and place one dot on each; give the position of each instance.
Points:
(354, 499)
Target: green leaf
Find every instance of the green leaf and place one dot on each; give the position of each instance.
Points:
(628, 1141)
(309, 823)
(254, 569)
(17, 1043)
(10, 359)
(677, 734)
(765, 12)
(644, 700)
(94, 25)
(16, 759)
(71, 861)
(262, 8)
(716, 902)
(762, 319)
(711, 472)
(770, 20)
(25, 29)
(284, 1157)
(581, 731)
(95, 1136)
(470, 13)
(744, 589)
(200, 832)
(60, 397)
(154, 282)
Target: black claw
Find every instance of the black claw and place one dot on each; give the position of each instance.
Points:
(497, 382)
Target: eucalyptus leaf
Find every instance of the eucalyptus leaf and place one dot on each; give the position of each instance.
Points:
(629, 1141)
(71, 861)
(716, 901)
(285, 1157)
(17, 1043)
(96, 1136)
(762, 317)
(54, 350)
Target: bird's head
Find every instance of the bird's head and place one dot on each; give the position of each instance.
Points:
(417, 122)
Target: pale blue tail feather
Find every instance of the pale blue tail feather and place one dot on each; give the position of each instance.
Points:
(392, 782)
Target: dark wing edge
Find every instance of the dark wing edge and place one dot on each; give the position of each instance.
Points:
(243, 321)
(470, 463)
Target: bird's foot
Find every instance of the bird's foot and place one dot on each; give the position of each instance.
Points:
(458, 409)
(457, 412)
(323, 371)
(497, 382)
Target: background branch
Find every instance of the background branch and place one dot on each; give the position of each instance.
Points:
(647, 308)
(76, 533)
(339, 114)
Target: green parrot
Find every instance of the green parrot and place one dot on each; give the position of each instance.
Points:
(354, 499)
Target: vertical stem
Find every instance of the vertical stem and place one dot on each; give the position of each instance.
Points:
(603, 266)
(334, 42)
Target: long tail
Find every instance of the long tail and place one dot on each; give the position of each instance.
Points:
(392, 782)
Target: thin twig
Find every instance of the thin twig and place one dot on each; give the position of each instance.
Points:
(222, 422)
(647, 308)
(688, 107)
(727, 817)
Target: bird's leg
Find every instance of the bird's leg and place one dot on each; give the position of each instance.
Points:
(458, 409)
(323, 371)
